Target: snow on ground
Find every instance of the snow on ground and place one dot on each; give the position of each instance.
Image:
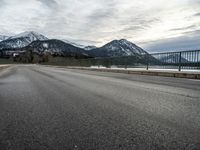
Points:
(144, 68)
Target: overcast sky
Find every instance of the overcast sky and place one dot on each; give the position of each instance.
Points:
(155, 25)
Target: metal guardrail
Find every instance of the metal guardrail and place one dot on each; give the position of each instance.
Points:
(181, 59)
(168, 60)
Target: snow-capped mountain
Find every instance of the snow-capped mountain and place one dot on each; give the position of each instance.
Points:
(21, 40)
(3, 37)
(33, 36)
(117, 48)
(57, 47)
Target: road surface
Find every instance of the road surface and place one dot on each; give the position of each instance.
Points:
(60, 109)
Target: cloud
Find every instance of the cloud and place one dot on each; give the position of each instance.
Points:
(49, 3)
(99, 21)
(184, 28)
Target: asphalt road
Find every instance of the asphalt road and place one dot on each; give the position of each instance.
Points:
(60, 109)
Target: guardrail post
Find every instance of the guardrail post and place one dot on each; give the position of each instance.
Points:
(179, 67)
(125, 65)
(147, 59)
(98, 62)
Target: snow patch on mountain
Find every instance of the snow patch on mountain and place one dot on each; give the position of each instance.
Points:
(33, 36)
(45, 45)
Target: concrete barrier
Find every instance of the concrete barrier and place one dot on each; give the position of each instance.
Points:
(175, 74)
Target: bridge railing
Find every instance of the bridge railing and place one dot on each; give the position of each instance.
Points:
(168, 60)
(179, 60)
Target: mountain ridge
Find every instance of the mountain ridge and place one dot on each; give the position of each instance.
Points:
(117, 48)
(31, 39)
(21, 40)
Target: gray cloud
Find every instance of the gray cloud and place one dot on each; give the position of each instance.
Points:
(197, 14)
(184, 28)
(174, 44)
(189, 42)
(2, 3)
